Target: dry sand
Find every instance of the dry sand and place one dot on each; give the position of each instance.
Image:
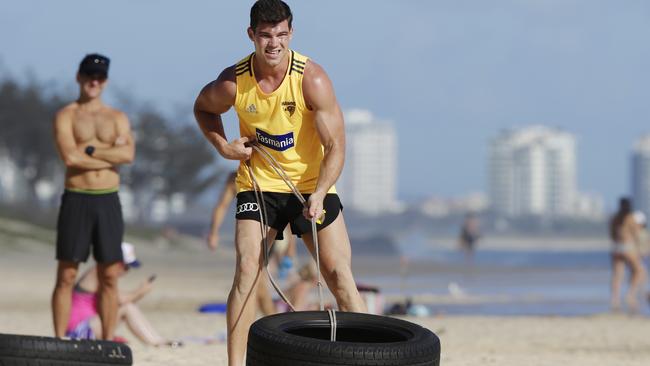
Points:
(189, 275)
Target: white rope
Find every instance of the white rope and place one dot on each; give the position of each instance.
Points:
(263, 224)
(259, 196)
(332, 316)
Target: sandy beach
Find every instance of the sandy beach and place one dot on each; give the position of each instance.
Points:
(190, 275)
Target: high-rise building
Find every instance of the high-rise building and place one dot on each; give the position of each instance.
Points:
(532, 171)
(368, 182)
(641, 174)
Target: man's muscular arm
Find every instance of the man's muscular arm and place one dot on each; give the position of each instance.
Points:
(123, 150)
(320, 97)
(215, 99)
(72, 156)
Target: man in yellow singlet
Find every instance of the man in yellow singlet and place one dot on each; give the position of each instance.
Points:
(286, 103)
(92, 139)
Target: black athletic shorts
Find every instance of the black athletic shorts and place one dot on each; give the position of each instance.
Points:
(86, 220)
(283, 209)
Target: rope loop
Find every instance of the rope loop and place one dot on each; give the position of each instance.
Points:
(264, 221)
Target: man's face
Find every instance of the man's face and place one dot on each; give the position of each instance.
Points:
(91, 85)
(271, 41)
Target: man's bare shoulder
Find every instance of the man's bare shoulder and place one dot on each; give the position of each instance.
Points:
(66, 111)
(222, 90)
(315, 79)
(317, 86)
(314, 71)
(226, 82)
(66, 114)
(227, 75)
(69, 110)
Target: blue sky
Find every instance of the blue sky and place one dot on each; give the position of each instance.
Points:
(449, 74)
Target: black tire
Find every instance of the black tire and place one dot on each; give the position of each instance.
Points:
(303, 338)
(20, 350)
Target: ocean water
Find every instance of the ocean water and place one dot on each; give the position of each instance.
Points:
(504, 282)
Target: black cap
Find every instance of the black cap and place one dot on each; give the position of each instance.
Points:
(94, 64)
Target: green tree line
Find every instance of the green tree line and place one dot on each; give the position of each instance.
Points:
(172, 157)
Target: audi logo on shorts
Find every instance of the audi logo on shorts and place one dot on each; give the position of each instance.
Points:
(248, 207)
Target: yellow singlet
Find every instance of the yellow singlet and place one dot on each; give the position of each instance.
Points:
(282, 124)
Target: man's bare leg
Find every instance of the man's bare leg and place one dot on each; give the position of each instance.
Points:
(66, 275)
(336, 264)
(108, 301)
(240, 312)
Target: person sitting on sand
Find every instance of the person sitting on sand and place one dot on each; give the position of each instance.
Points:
(298, 290)
(84, 320)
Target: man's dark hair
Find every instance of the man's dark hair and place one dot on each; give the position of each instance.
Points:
(270, 11)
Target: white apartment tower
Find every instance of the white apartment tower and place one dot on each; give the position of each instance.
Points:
(368, 182)
(532, 171)
(641, 175)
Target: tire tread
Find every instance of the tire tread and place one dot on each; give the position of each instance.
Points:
(19, 350)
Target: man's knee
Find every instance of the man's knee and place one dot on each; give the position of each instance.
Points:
(248, 274)
(249, 267)
(66, 278)
(108, 277)
(339, 275)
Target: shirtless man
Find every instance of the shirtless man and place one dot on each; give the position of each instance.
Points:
(92, 139)
(286, 103)
(624, 232)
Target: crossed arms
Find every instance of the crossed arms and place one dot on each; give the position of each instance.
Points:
(74, 156)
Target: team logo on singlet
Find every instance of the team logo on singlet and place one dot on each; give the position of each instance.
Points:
(275, 142)
(289, 107)
(251, 109)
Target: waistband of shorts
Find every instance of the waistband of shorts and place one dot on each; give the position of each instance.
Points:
(93, 192)
(248, 191)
